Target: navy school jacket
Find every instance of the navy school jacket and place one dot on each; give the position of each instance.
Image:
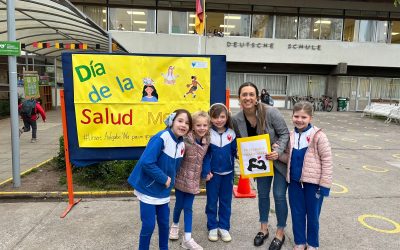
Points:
(161, 158)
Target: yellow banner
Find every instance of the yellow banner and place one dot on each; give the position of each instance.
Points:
(122, 100)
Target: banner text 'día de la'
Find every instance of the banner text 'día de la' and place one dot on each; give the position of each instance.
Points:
(121, 101)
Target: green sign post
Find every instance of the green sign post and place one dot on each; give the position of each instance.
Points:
(8, 48)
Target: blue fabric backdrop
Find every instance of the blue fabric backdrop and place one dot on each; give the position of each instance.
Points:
(82, 157)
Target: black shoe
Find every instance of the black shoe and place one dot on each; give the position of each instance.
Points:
(260, 238)
(276, 243)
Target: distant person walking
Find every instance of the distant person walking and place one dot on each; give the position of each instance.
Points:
(309, 158)
(29, 110)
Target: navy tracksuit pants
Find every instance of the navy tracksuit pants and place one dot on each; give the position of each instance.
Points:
(305, 205)
(219, 201)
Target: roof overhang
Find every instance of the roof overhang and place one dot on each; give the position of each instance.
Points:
(53, 21)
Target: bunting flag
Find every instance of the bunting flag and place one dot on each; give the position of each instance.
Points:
(199, 21)
(58, 45)
(114, 47)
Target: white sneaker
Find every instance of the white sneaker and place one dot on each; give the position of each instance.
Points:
(299, 247)
(191, 244)
(174, 232)
(33, 140)
(225, 236)
(213, 235)
(20, 132)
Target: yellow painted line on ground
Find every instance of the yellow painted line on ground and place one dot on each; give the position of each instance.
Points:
(397, 156)
(362, 218)
(349, 140)
(343, 191)
(57, 194)
(372, 147)
(375, 169)
(27, 171)
(345, 156)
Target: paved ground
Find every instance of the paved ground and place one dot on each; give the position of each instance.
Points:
(363, 211)
(32, 154)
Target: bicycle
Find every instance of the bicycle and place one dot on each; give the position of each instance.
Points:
(325, 103)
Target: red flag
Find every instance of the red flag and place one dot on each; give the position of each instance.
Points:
(199, 21)
(47, 45)
(34, 44)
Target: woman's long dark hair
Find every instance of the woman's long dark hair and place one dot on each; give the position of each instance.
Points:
(144, 93)
(260, 108)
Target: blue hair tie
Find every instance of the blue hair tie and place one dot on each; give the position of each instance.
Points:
(169, 120)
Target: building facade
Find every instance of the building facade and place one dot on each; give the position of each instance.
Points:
(291, 48)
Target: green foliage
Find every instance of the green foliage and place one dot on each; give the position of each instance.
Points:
(60, 158)
(109, 175)
(396, 3)
(4, 108)
(105, 175)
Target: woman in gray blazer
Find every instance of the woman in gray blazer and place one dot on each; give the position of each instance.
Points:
(256, 118)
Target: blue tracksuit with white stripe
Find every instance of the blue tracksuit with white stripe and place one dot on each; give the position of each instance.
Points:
(219, 161)
(161, 158)
(305, 199)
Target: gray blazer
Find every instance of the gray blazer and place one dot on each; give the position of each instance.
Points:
(276, 128)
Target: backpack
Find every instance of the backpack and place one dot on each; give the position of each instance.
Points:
(28, 108)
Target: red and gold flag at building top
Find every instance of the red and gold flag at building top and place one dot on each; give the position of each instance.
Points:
(199, 20)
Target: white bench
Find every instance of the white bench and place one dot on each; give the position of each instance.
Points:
(390, 111)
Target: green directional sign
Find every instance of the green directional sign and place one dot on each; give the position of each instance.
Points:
(8, 48)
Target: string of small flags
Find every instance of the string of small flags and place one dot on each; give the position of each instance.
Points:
(57, 45)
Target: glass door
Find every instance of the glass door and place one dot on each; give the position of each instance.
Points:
(363, 93)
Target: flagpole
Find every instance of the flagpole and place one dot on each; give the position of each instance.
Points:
(199, 45)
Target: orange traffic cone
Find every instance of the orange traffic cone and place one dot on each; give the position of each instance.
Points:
(243, 190)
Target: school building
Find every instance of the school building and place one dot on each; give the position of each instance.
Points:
(337, 48)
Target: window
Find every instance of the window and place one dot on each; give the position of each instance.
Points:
(213, 22)
(372, 31)
(97, 14)
(262, 26)
(395, 33)
(228, 24)
(236, 25)
(348, 30)
(309, 27)
(331, 29)
(163, 21)
(286, 27)
(179, 22)
(320, 28)
(132, 20)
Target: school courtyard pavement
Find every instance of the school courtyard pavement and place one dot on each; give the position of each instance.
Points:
(363, 211)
